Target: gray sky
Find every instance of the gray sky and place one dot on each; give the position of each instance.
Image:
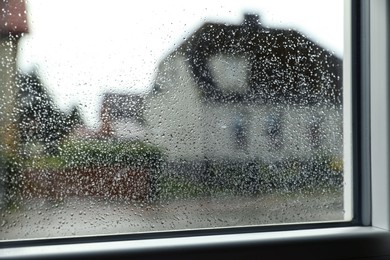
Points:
(83, 48)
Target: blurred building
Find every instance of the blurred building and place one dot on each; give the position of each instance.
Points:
(246, 91)
(13, 25)
(122, 116)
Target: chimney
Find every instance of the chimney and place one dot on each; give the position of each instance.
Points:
(251, 20)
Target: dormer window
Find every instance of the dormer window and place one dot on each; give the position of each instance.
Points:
(230, 73)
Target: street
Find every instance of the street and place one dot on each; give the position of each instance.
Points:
(40, 218)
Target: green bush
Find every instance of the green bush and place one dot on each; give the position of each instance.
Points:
(89, 153)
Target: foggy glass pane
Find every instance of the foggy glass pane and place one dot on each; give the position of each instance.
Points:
(141, 117)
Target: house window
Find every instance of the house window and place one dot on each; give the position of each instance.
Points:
(230, 73)
(122, 156)
(240, 132)
(274, 130)
(315, 132)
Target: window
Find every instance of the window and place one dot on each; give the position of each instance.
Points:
(240, 131)
(350, 242)
(314, 129)
(274, 129)
(235, 70)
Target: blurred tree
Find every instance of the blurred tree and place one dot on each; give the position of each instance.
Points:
(39, 119)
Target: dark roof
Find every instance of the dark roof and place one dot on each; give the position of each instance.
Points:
(285, 66)
(13, 17)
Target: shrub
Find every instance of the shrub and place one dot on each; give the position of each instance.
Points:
(95, 153)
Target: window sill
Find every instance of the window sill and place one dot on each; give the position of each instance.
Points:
(330, 243)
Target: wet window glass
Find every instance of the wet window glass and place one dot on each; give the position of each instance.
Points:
(130, 117)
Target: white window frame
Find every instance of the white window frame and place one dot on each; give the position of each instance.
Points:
(368, 238)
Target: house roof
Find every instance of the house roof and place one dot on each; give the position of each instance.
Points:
(13, 17)
(285, 66)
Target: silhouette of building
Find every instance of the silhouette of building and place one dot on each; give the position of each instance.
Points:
(13, 25)
(122, 116)
(246, 91)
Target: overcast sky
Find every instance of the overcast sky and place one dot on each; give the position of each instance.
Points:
(83, 48)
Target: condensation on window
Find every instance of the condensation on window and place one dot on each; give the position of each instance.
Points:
(140, 117)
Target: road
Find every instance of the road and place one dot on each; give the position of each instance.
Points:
(42, 218)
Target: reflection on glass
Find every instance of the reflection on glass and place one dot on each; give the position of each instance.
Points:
(240, 124)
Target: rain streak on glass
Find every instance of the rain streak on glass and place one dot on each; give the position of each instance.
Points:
(166, 117)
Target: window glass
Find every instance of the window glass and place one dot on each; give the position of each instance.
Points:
(122, 117)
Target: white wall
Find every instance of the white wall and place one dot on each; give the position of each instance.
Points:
(173, 116)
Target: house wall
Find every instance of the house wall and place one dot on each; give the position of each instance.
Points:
(294, 133)
(12, 27)
(191, 128)
(172, 115)
(8, 51)
(127, 129)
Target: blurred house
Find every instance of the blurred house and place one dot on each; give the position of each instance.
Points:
(122, 116)
(239, 92)
(13, 25)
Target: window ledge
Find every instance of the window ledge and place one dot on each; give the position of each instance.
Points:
(330, 243)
